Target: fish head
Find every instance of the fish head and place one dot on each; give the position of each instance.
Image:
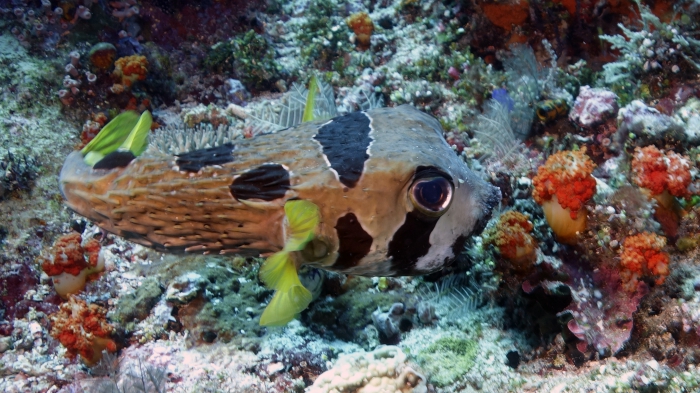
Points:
(414, 205)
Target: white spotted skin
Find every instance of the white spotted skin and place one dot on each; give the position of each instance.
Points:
(154, 203)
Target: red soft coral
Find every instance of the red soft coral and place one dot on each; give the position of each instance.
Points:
(643, 255)
(71, 263)
(131, 69)
(83, 330)
(659, 172)
(67, 256)
(567, 176)
(512, 237)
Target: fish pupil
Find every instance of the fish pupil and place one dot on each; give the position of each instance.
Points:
(432, 193)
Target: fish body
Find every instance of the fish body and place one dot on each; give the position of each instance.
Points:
(392, 196)
(549, 110)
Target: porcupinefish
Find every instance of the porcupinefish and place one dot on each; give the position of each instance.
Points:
(371, 193)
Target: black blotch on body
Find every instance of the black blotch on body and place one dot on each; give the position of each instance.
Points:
(410, 242)
(267, 182)
(195, 160)
(354, 242)
(115, 159)
(345, 141)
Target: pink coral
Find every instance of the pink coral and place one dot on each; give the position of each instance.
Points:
(593, 106)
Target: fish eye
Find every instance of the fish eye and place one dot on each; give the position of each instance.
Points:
(431, 196)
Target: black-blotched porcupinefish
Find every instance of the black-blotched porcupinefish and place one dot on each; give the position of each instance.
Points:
(372, 193)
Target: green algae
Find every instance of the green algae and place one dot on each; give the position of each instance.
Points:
(254, 61)
(138, 304)
(448, 358)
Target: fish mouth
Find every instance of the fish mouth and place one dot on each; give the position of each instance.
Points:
(78, 181)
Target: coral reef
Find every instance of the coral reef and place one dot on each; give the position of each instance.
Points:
(382, 370)
(590, 108)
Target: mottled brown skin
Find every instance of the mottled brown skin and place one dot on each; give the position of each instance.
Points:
(153, 203)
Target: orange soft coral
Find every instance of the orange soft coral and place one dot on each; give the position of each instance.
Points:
(659, 172)
(83, 330)
(562, 186)
(131, 69)
(643, 255)
(71, 262)
(362, 26)
(512, 237)
(506, 15)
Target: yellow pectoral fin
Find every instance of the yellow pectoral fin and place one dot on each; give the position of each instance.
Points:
(279, 272)
(274, 269)
(303, 218)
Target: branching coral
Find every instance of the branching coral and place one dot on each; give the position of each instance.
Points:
(83, 330)
(657, 47)
(562, 186)
(643, 256)
(71, 263)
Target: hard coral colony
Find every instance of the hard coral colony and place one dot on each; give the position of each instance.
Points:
(399, 196)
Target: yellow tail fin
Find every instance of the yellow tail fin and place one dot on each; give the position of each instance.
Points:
(279, 271)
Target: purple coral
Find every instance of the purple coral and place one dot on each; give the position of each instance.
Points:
(593, 106)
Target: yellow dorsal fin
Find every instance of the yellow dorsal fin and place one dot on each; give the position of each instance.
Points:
(279, 271)
(310, 100)
(110, 137)
(137, 140)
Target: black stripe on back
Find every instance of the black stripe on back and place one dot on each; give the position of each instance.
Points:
(345, 141)
(267, 182)
(195, 160)
(115, 159)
